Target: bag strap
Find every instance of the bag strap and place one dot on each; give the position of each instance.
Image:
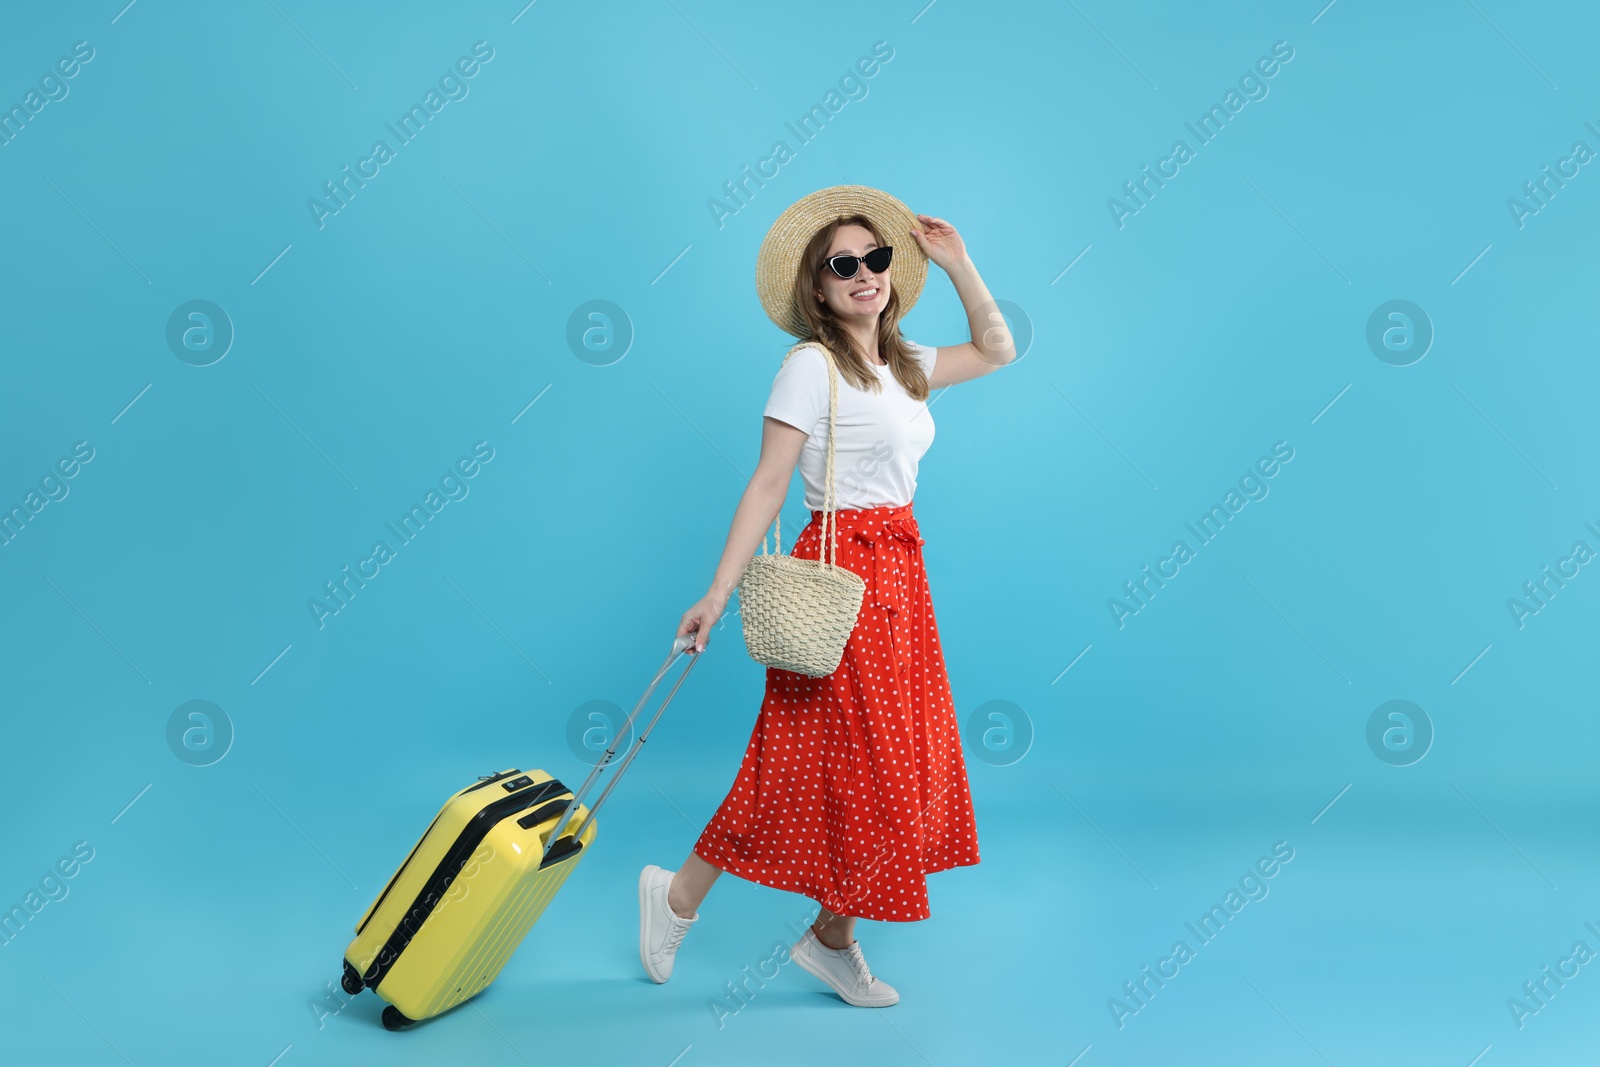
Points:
(829, 493)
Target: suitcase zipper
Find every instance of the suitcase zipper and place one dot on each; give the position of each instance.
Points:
(396, 877)
(438, 882)
(488, 779)
(483, 780)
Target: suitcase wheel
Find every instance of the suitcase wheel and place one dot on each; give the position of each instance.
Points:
(393, 1020)
(351, 981)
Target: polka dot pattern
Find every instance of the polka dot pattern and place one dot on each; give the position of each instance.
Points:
(853, 787)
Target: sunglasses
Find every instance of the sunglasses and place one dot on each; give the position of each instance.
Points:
(845, 265)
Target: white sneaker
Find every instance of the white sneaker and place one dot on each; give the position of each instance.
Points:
(845, 969)
(661, 930)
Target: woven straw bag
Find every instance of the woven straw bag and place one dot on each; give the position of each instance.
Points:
(797, 613)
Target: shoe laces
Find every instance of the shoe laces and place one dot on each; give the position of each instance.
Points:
(858, 963)
(675, 931)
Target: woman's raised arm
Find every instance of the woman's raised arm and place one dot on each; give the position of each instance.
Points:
(991, 346)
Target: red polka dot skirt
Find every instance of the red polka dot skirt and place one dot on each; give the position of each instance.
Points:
(853, 787)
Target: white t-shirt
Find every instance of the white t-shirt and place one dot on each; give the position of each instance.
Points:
(881, 436)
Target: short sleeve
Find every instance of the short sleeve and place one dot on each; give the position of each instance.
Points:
(800, 391)
(927, 355)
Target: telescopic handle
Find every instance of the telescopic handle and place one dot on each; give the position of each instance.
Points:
(683, 643)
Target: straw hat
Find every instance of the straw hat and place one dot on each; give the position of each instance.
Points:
(778, 262)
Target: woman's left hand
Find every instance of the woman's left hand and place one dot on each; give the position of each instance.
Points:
(940, 242)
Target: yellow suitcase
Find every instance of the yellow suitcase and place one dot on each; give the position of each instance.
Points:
(479, 878)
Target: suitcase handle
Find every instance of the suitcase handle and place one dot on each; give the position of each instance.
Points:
(683, 643)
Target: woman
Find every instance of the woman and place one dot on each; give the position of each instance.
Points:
(852, 787)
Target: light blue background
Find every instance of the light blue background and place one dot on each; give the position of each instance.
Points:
(1228, 314)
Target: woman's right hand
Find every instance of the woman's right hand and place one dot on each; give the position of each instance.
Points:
(699, 619)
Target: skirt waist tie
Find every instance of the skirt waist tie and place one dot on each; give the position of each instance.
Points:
(893, 541)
